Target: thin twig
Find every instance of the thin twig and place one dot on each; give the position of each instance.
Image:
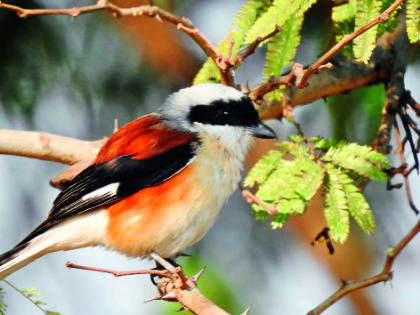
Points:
(382, 18)
(304, 138)
(162, 273)
(413, 104)
(300, 79)
(173, 286)
(152, 11)
(230, 47)
(250, 198)
(251, 49)
(24, 295)
(400, 151)
(385, 275)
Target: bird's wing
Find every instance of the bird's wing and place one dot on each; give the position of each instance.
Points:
(142, 154)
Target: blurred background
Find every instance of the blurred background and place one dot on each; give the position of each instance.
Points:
(73, 77)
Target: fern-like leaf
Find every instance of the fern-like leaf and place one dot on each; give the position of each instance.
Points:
(345, 11)
(209, 73)
(277, 14)
(367, 10)
(282, 49)
(246, 16)
(263, 168)
(335, 203)
(413, 20)
(360, 159)
(279, 220)
(357, 205)
(292, 185)
(2, 305)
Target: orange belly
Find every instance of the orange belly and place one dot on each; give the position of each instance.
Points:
(177, 213)
(165, 218)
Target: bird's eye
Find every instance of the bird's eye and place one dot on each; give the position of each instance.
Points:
(227, 115)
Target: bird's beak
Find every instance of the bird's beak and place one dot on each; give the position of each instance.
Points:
(262, 131)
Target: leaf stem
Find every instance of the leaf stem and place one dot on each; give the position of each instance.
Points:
(24, 295)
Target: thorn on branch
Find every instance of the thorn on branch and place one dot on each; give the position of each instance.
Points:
(346, 282)
(171, 296)
(198, 275)
(156, 297)
(246, 311)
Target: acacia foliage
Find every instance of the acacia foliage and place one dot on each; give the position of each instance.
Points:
(259, 18)
(290, 184)
(2, 305)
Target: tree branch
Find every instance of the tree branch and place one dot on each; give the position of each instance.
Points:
(384, 17)
(173, 285)
(182, 23)
(300, 78)
(384, 276)
(45, 146)
(345, 75)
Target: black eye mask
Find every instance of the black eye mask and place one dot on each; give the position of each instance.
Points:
(233, 113)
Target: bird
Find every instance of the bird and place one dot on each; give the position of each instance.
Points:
(158, 183)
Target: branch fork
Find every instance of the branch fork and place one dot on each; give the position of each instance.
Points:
(173, 286)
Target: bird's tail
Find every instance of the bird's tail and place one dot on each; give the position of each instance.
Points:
(81, 231)
(20, 256)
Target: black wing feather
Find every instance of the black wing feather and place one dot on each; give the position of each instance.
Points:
(132, 175)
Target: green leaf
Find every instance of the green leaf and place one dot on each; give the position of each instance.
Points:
(263, 168)
(40, 303)
(393, 21)
(413, 20)
(277, 14)
(209, 73)
(52, 313)
(2, 305)
(294, 149)
(282, 47)
(360, 159)
(296, 139)
(364, 44)
(29, 295)
(28, 290)
(291, 187)
(346, 121)
(358, 206)
(260, 213)
(321, 143)
(278, 220)
(345, 11)
(343, 29)
(248, 14)
(335, 203)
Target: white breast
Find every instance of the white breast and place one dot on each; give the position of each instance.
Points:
(221, 167)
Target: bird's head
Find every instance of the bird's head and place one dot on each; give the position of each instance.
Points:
(217, 110)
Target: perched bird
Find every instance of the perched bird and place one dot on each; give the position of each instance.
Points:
(157, 184)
